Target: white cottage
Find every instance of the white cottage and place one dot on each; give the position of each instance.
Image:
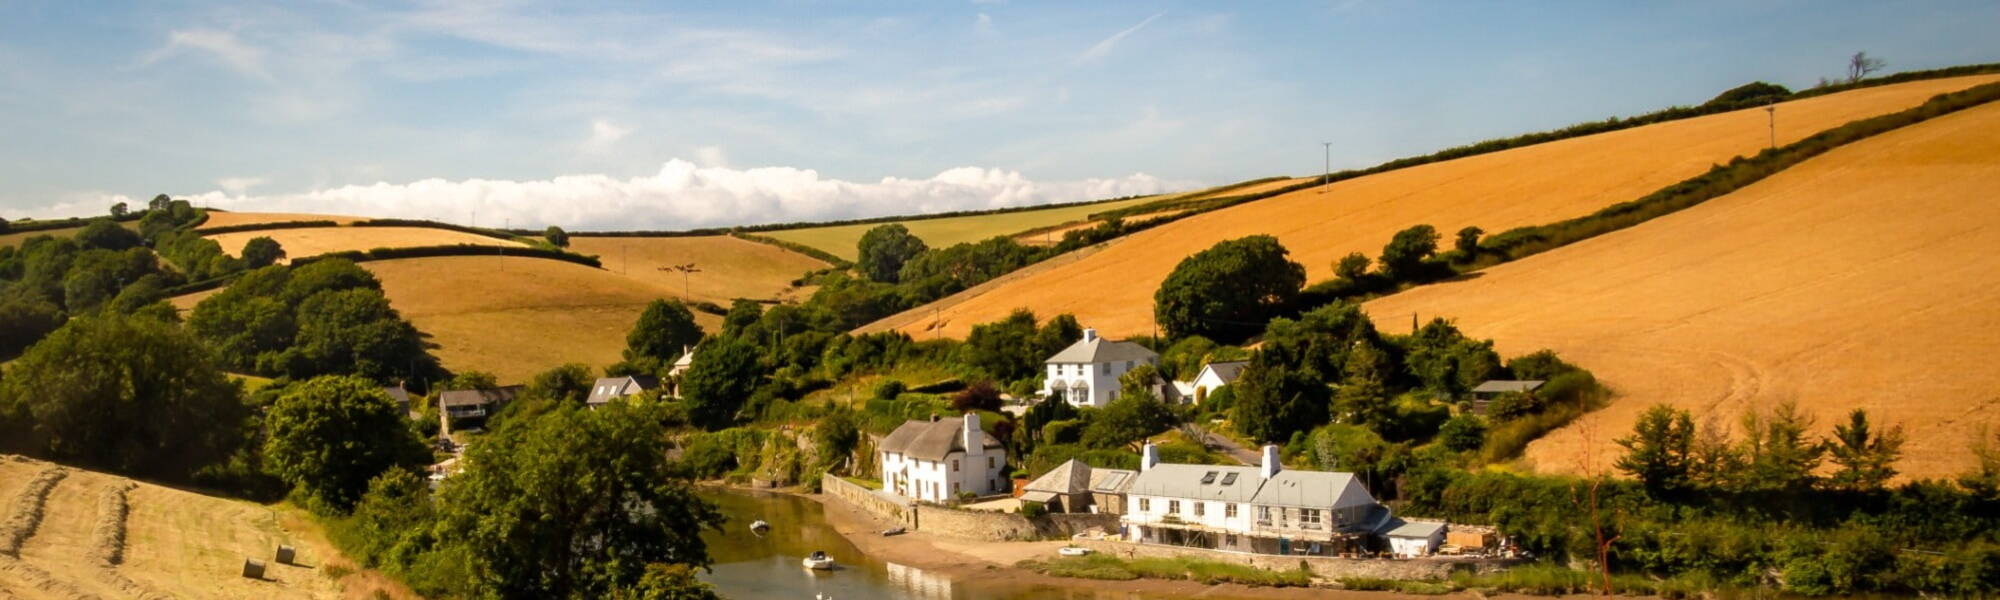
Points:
(1087, 372)
(936, 460)
(1215, 375)
(1264, 509)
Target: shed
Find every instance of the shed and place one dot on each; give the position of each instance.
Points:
(1065, 488)
(1410, 539)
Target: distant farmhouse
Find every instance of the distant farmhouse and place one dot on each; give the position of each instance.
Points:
(462, 409)
(1264, 509)
(613, 388)
(1214, 375)
(939, 459)
(401, 396)
(1087, 372)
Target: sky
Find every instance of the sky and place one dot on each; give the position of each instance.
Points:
(679, 115)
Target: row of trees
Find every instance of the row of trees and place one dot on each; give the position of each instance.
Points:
(325, 317)
(1670, 455)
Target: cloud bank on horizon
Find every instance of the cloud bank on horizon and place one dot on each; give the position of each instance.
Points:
(681, 195)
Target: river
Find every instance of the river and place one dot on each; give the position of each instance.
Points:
(753, 567)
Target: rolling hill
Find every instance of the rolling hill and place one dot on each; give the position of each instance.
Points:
(1112, 289)
(727, 268)
(840, 240)
(312, 241)
(516, 317)
(72, 534)
(1863, 278)
(218, 218)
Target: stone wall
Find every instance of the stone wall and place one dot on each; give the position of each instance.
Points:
(1007, 527)
(1322, 566)
(880, 504)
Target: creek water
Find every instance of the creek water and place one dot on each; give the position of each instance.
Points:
(750, 566)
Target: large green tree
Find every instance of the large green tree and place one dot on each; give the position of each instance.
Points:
(884, 249)
(1866, 458)
(1275, 400)
(1660, 451)
(1227, 292)
(261, 251)
(664, 331)
(329, 436)
(1403, 258)
(24, 318)
(575, 503)
(724, 374)
(1134, 416)
(1777, 452)
(132, 395)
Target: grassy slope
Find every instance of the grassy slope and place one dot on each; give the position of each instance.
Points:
(516, 317)
(217, 218)
(1112, 290)
(840, 240)
(729, 268)
(16, 238)
(315, 241)
(1859, 279)
(178, 543)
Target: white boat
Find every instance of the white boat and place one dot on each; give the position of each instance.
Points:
(759, 526)
(818, 561)
(1073, 551)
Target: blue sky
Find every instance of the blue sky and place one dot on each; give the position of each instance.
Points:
(627, 115)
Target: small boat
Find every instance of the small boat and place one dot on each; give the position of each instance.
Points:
(893, 531)
(1073, 551)
(818, 561)
(759, 526)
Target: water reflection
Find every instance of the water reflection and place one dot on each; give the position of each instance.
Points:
(748, 566)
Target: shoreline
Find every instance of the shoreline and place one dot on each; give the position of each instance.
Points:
(964, 560)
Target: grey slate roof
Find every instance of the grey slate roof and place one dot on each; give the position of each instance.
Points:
(1399, 528)
(1499, 386)
(1071, 477)
(931, 440)
(400, 395)
(479, 397)
(1226, 371)
(611, 388)
(1311, 489)
(1101, 350)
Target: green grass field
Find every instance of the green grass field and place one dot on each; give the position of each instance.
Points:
(839, 240)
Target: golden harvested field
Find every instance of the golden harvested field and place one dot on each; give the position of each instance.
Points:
(1113, 289)
(174, 543)
(839, 240)
(313, 241)
(1863, 278)
(516, 317)
(1054, 236)
(730, 268)
(217, 218)
(1251, 189)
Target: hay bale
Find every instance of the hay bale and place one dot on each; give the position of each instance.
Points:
(286, 554)
(253, 568)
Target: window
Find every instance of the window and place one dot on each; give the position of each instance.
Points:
(954, 465)
(1208, 478)
(1173, 507)
(1229, 510)
(1145, 504)
(1200, 508)
(1263, 515)
(954, 488)
(989, 462)
(1107, 368)
(1229, 479)
(1309, 518)
(1229, 539)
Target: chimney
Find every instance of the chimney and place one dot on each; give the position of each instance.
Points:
(1148, 456)
(1090, 335)
(970, 435)
(1270, 466)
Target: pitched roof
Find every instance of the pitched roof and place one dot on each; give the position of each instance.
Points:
(1497, 386)
(610, 388)
(1071, 477)
(1203, 482)
(479, 396)
(1314, 488)
(686, 359)
(1100, 350)
(400, 395)
(1226, 371)
(931, 440)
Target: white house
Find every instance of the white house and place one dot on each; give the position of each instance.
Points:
(1264, 509)
(1087, 372)
(612, 388)
(681, 366)
(1411, 539)
(1215, 375)
(936, 460)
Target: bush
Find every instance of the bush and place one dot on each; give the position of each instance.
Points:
(890, 389)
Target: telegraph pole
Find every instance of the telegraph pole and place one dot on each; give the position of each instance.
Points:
(1772, 110)
(1327, 174)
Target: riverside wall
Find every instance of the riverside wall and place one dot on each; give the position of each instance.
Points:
(1325, 567)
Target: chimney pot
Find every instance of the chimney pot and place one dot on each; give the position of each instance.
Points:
(1271, 465)
(1090, 335)
(1149, 456)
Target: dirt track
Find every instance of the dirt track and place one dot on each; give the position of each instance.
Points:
(1113, 289)
(1864, 278)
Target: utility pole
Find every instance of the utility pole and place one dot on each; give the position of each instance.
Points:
(1327, 174)
(685, 270)
(1772, 110)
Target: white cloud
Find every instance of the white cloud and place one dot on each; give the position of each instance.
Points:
(224, 46)
(683, 195)
(238, 185)
(603, 134)
(711, 156)
(1104, 46)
